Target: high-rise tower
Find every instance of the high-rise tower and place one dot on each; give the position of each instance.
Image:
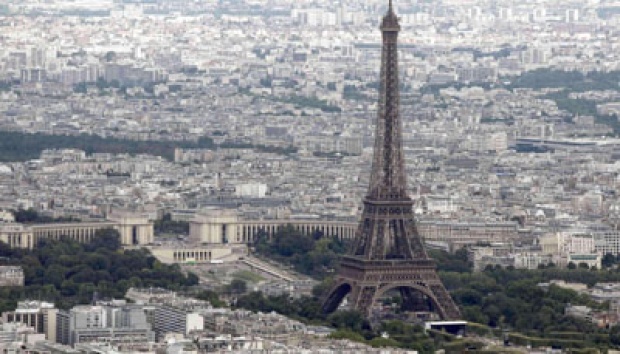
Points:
(388, 252)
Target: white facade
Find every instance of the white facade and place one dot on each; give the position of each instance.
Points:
(134, 230)
(254, 190)
(16, 235)
(88, 317)
(37, 314)
(181, 316)
(563, 243)
(6, 216)
(110, 323)
(580, 244)
(195, 322)
(553, 243)
(531, 260)
(214, 226)
(223, 226)
(440, 204)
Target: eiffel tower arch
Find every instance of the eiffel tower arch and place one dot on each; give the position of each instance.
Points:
(426, 293)
(417, 296)
(388, 252)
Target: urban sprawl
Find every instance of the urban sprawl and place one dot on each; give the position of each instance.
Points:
(246, 116)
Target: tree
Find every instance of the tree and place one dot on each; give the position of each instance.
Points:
(261, 241)
(238, 286)
(608, 260)
(473, 314)
(32, 216)
(55, 275)
(323, 287)
(68, 288)
(105, 238)
(347, 334)
(289, 241)
(614, 335)
(68, 272)
(97, 261)
(309, 308)
(380, 342)
(192, 279)
(494, 314)
(254, 301)
(349, 319)
(313, 254)
(468, 297)
(457, 262)
(212, 297)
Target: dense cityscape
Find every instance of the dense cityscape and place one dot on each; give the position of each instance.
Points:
(228, 145)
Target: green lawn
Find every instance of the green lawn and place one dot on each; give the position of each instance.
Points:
(247, 276)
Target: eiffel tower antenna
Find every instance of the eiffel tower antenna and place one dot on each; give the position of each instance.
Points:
(388, 252)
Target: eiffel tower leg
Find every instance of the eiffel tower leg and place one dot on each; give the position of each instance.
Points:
(335, 296)
(362, 298)
(446, 306)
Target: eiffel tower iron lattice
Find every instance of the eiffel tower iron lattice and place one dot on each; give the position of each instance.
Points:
(388, 252)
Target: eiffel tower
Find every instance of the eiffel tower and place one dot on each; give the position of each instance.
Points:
(388, 252)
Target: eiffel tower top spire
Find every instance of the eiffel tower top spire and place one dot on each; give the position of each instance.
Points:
(390, 21)
(388, 180)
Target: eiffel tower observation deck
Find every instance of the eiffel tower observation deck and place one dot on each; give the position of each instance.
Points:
(388, 252)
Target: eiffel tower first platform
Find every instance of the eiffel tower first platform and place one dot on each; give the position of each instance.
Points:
(388, 252)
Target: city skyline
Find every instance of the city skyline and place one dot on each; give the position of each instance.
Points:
(234, 140)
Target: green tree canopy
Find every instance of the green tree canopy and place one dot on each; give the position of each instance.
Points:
(67, 273)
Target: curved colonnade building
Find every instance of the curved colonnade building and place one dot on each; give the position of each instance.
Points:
(222, 235)
(225, 226)
(133, 231)
(217, 234)
(212, 227)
